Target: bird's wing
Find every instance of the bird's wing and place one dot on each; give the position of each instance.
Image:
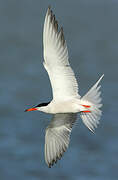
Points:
(56, 62)
(57, 136)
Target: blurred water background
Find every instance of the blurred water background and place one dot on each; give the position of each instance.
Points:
(91, 31)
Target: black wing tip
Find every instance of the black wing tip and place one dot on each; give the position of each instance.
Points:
(49, 165)
(49, 11)
(62, 36)
(54, 161)
(54, 22)
(49, 8)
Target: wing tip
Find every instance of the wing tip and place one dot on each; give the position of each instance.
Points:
(51, 162)
(101, 77)
(54, 161)
(49, 8)
(55, 25)
(62, 36)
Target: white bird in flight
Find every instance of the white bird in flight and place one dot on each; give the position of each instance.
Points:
(66, 102)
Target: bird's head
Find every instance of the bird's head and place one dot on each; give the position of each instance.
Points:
(39, 107)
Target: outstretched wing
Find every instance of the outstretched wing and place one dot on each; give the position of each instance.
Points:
(56, 62)
(58, 136)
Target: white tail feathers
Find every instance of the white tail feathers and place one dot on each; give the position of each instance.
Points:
(92, 113)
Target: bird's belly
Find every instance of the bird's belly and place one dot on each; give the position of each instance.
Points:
(65, 107)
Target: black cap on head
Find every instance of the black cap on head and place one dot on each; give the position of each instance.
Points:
(42, 104)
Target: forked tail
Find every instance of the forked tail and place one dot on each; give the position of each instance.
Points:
(91, 103)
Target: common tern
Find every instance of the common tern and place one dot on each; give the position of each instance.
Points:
(66, 102)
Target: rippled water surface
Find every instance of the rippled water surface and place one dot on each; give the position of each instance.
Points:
(91, 31)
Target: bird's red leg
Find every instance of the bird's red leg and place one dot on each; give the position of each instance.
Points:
(86, 111)
(86, 106)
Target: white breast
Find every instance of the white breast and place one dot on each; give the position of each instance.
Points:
(70, 106)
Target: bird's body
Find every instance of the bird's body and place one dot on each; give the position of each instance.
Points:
(66, 106)
(66, 102)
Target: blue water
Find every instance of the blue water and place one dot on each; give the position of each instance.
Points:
(91, 31)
